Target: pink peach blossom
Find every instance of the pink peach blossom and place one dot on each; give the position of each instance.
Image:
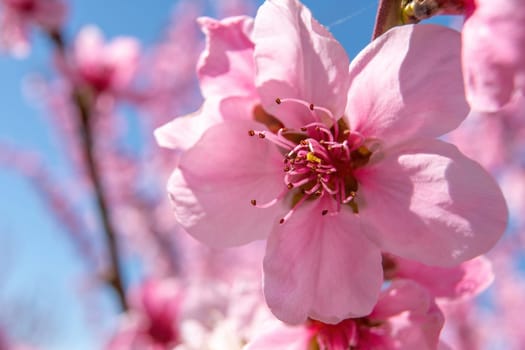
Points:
(104, 67)
(18, 16)
(461, 282)
(153, 323)
(493, 55)
(228, 45)
(363, 170)
(405, 317)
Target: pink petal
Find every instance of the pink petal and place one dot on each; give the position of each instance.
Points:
(89, 46)
(216, 180)
(226, 66)
(14, 33)
(493, 55)
(296, 57)
(320, 267)
(282, 337)
(463, 281)
(414, 320)
(428, 202)
(401, 296)
(183, 132)
(407, 82)
(50, 14)
(123, 54)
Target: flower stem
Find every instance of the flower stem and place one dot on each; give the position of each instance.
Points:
(388, 16)
(83, 106)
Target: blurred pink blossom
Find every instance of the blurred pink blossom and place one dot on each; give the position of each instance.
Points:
(18, 16)
(169, 67)
(153, 323)
(493, 54)
(377, 173)
(197, 313)
(104, 67)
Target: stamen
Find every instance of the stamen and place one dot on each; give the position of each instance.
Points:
(356, 139)
(300, 182)
(330, 115)
(319, 159)
(310, 106)
(276, 139)
(294, 208)
(321, 128)
(328, 189)
(271, 202)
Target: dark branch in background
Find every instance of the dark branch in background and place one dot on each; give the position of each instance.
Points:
(83, 106)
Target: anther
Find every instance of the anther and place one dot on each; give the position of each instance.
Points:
(251, 132)
(290, 186)
(311, 106)
(324, 212)
(254, 202)
(281, 221)
(286, 169)
(278, 100)
(262, 135)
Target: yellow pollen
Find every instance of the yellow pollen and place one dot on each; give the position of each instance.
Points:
(407, 13)
(363, 151)
(312, 158)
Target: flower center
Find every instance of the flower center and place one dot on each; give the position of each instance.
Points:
(319, 160)
(24, 6)
(352, 333)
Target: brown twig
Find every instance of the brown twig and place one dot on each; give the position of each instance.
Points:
(391, 13)
(388, 16)
(83, 106)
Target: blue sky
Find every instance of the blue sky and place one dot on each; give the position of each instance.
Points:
(40, 264)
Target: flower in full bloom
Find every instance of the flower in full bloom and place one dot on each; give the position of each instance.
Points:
(331, 163)
(18, 16)
(405, 317)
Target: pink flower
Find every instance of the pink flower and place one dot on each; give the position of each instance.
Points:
(405, 317)
(493, 54)
(105, 67)
(229, 92)
(338, 164)
(17, 17)
(154, 322)
(450, 283)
